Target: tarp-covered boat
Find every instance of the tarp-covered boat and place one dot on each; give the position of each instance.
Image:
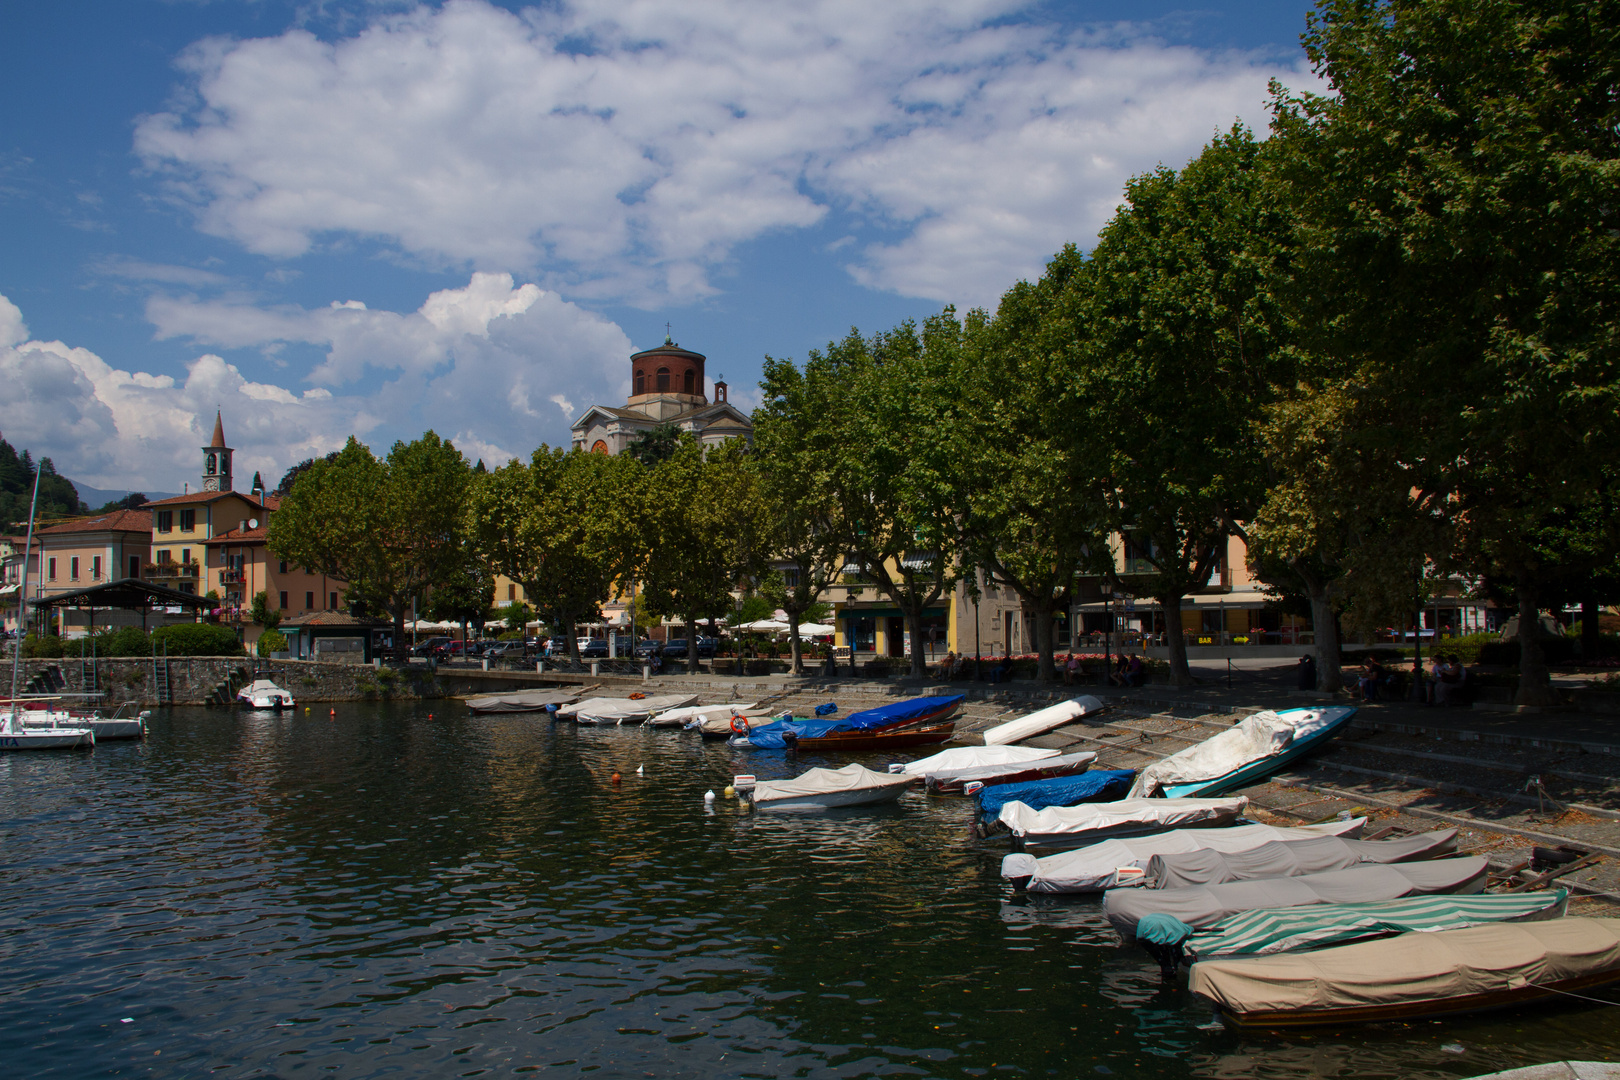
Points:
(605, 710)
(924, 719)
(1257, 747)
(953, 783)
(1292, 858)
(923, 710)
(690, 714)
(972, 757)
(721, 727)
(1104, 785)
(1038, 723)
(820, 789)
(1416, 975)
(1110, 863)
(520, 701)
(1205, 905)
(1280, 930)
(1075, 826)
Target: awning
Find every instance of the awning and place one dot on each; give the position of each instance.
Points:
(887, 613)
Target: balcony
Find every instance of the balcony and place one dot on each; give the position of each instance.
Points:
(172, 571)
(232, 576)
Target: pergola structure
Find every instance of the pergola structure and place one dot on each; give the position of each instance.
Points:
(128, 594)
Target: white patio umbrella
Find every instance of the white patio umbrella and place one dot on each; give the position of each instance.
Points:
(815, 629)
(764, 626)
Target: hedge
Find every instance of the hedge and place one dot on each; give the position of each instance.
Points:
(198, 639)
(272, 641)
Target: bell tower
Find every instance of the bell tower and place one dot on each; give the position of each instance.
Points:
(217, 460)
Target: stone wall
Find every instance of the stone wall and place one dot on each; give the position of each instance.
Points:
(193, 679)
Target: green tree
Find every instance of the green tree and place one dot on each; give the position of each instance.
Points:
(1459, 238)
(655, 445)
(58, 498)
(703, 533)
(1183, 335)
(563, 526)
(262, 613)
(392, 528)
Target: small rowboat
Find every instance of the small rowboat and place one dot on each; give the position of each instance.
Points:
(1078, 826)
(894, 739)
(952, 782)
(1248, 751)
(824, 789)
(1415, 976)
(520, 701)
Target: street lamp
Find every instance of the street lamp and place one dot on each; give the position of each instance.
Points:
(1107, 587)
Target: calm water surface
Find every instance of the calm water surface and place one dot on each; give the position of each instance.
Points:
(389, 894)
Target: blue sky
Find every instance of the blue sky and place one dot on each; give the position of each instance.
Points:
(376, 218)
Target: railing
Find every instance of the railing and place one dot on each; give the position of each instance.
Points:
(173, 570)
(232, 577)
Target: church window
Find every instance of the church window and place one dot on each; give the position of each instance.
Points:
(663, 379)
(641, 382)
(688, 381)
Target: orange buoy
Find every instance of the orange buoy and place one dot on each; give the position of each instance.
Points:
(616, 778)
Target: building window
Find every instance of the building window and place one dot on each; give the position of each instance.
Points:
(687, 380)
(282, 569)
(52, 564)
(333, 605)
(95, 568)
(641, 382)
(134, 566)
(185, 556)
(73, 564)
(309, 601)
(663, 379)
(165, 521)
(188, 520)
(283, 601)
(511, 592)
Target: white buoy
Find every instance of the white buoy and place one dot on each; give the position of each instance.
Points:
(639, 768)
(708, 796)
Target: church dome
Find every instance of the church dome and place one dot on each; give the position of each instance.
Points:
(667, 371)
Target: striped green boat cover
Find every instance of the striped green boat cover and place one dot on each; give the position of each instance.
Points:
(1275, 930)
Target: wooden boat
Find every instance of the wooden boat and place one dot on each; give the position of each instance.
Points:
(892, 739)
(1246, 752)
(1415, 976)
(823, 789)
(1205, 905)
(1043, 720)
(1122, 861)
(952, 782)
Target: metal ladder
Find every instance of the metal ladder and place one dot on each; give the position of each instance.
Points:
(160, 675)
(88, 680)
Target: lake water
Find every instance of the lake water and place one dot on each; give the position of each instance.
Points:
(389, 893)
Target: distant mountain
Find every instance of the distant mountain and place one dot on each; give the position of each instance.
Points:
(96, 498)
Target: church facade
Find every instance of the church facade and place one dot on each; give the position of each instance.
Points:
(667, 386)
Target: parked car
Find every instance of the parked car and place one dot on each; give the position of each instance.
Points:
(429, 646)
(676, 649)
(647, 648)
(594, 649)
(504, 650)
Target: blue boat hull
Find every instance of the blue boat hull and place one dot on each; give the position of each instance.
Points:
(1257, 770)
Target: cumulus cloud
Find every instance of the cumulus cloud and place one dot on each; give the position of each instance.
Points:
(624, 150)
(488, 362)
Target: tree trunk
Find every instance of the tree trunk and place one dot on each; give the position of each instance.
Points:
(1535, 687)
(398, 650)
(919, 666)
(1045, 643)
(1590, 628)
(1175, 637)
(1325, 625)
(692, 644)
(794, 645)
(573, 640)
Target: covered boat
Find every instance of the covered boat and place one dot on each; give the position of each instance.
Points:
(520, 701)
(1205, 905)
(1105, 785)
(688, 715)
(1292, 858)
(1280, 930)
(1257, 747)
(1038, 723)
(912, 711)
(17, 735)
(722, 727)
(972, 757)
(820, 789)
(1110, 863)
(263, 693)
(1416, 975)
(1075, 826)
(1052, 768)
(895, 738)
(605, 710)
(924, 720)
(128, 721)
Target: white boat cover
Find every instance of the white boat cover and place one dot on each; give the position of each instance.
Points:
(1292, 858)
(1089, 822)
(685, 715)
(1411, 969)
(971, 757)
(1097, 867)
(822, 787)
(598, 709)
(1038, 723)
(1262, 735)
(1206, 905)
(721, 725)
(519, 701)
(990, 774)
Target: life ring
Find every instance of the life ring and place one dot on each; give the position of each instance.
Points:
(739, 724)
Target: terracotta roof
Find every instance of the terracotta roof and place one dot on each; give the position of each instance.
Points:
(219, 433)
(117, 521)
(240, 536)
(333, 619)
(197, 497)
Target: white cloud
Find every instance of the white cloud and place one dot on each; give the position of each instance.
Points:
(624, 150)
(489, 362)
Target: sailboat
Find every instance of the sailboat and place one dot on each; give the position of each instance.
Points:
(14, 733)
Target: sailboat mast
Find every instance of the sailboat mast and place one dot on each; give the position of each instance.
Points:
(22, 600)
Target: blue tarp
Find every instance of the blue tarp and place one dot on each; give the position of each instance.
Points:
(1100, 785)
(770, 736)
(900, 711)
